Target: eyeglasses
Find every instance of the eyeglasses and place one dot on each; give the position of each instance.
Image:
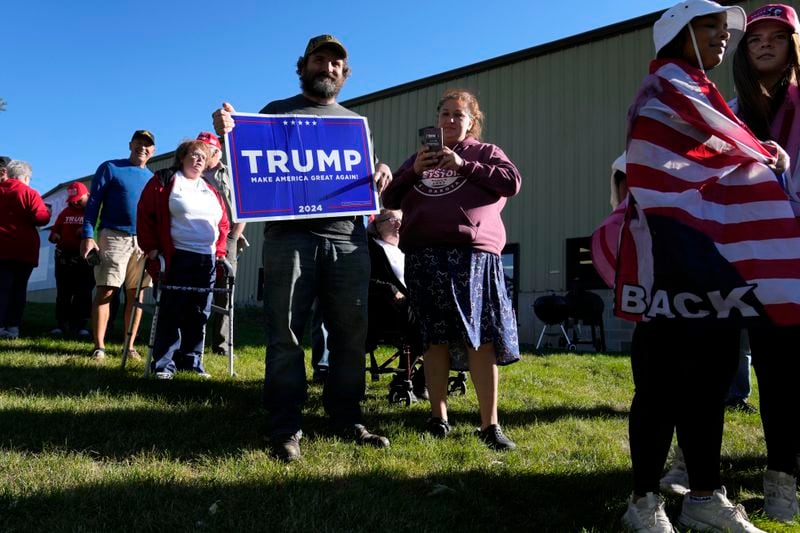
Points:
(393, 220)
(198, 156)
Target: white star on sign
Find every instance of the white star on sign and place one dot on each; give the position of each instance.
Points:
(293, 123)
(285, 122)
(314, 122)
(307, 123)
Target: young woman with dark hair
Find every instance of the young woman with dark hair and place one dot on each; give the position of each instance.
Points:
(766, 74)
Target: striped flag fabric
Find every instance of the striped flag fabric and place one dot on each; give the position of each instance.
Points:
(709, 233)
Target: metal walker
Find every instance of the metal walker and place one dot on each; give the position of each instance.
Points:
(157, 290)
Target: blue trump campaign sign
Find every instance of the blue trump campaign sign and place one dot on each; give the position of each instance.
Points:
(288, 167)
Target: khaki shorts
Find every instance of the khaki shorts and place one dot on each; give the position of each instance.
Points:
(121, 261)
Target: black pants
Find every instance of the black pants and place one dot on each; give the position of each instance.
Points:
(777, 363)
(14, 277)
(182, 316)
(74, 284)
(681, 375)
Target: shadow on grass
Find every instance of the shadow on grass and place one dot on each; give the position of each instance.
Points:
(209, 417)
(214, 417)
(379, 501)
(210, 429)
(185, 433)
(508, 417)
(290, 499)
(743, 472)
(31, 345)
(551, 414)
(186, 420)
(79, 379)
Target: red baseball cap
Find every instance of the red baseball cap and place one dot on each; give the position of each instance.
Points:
(777, 12)
(76, 191)
(210, 139)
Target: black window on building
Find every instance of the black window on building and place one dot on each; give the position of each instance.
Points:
(580, 270)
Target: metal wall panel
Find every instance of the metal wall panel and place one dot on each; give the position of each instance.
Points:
(560, 116)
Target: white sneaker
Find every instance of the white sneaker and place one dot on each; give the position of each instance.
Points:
(780, 496)
(676, 480)
(717, 514)
(647, 515)
(10, 333)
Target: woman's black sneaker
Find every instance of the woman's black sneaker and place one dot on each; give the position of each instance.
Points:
(494, 437)
(437, 427)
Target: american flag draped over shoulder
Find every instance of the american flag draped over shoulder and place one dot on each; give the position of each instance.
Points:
(710, 234)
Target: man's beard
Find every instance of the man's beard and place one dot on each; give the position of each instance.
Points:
(320, 86)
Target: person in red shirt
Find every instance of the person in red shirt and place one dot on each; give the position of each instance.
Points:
(21, 211)
(74, 276)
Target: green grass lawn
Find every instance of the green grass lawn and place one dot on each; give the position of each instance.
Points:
(85, 446)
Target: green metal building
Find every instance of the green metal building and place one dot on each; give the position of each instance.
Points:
(558, 110)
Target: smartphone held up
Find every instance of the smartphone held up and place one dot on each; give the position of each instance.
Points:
(432, 138)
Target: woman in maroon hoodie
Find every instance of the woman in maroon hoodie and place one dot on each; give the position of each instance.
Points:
(452, 235)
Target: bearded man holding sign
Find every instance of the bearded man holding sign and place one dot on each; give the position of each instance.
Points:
(307, 258)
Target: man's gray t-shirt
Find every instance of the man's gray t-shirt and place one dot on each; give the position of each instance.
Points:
(349, 228)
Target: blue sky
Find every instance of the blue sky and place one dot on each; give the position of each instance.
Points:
(80, 77)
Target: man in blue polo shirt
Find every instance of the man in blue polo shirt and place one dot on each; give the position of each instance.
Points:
(115, 190)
